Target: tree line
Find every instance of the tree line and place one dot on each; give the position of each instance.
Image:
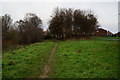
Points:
(69, 23)
(64, 24)
(26, 31)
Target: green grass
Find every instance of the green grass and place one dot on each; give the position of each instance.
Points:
(103, 38)
(86, 59)
(93, 58)
(26, 61)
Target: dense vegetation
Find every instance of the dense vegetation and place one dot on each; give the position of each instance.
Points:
(26, 61)
(26, 31)
(69, 23)
(86, 59)
(64, 24)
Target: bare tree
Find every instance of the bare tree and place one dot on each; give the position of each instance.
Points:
(61, 23)
(30, 29)
(55, 27)
(6, 24)
(68, 22)
(78, 22)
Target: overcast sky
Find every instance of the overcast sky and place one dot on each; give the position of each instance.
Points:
(106, 12)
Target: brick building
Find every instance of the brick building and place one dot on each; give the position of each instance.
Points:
(101, 32)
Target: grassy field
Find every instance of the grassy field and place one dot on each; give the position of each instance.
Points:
(26, 62)
(73, 59)
(86, 59)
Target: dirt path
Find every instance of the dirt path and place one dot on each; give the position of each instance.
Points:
(47, 68)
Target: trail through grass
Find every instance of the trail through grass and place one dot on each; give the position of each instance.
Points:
(71, 59)
(48, 68)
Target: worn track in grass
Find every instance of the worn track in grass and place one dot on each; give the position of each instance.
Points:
(47, 68)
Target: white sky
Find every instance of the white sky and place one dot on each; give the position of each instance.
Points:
(107, 12)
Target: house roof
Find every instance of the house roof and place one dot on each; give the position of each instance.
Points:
(102, 29)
